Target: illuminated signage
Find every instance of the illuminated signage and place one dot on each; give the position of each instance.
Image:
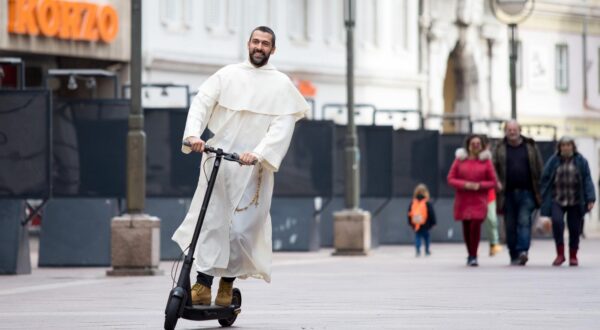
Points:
(66, 20)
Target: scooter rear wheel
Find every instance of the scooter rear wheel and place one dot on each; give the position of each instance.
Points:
(235, 301)
(172, 313)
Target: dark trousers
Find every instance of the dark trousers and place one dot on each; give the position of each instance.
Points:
(471, 235)
(422, 234)
(207, 280)
(574, 223)
(518, 208)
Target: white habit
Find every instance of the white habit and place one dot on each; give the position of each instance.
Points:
(249, 110)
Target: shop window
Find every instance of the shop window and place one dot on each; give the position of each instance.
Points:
(562, 68)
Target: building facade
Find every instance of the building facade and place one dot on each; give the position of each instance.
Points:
(185, 41)
(55, 34)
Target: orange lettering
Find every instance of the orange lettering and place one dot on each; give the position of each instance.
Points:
(63, 19)
(89, 28)
(70, 17)
(108, 24)
(12, 16)
(24, 18)
(48, 14)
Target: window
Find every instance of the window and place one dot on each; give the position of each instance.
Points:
(399, 19)
(333, 24)
(221, 17)
(562, 68)
(176, 14)
(298, 19)
(367, 22)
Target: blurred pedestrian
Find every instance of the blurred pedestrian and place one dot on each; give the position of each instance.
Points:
(519, 165)
(421, 217)
(491, 219)
(567, 188)
(472, 176)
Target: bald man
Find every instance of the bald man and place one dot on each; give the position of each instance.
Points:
(519, 166)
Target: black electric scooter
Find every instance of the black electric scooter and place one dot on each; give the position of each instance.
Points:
(180, 301)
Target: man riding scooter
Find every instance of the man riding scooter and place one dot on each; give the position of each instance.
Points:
(251, 108)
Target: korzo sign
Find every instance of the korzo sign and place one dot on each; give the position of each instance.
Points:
(80, 21)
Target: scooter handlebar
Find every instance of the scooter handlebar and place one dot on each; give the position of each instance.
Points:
(232, 157)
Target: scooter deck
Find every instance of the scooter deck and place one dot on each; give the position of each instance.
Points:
(212, 312)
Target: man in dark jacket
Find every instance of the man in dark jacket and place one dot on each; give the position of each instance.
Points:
(519, 164)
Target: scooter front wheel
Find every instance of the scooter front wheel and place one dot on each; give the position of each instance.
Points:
(172, 312)
(235, 301)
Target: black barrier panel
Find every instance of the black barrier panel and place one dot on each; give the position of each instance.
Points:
(376, 148)
(307, 169)
(25, 128)
(90, 145)
(375, 143)
(448, 143)
(547, 149)
(171, 173)
(415, 161)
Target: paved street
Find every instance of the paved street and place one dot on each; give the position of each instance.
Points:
(390, 289)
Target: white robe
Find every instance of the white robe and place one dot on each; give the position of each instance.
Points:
(248, 109)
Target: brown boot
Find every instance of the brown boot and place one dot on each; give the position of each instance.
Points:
(560, 255)
(200, 295)
(573, 257)
(495, 249)
(225, 294)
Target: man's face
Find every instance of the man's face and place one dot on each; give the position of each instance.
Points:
(513, 132)
(566, 148)
(260, 47)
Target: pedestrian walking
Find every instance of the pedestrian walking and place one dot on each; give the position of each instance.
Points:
(421, 217)
(491, 219)
(518, 162)
(472, 176)
(567, 189)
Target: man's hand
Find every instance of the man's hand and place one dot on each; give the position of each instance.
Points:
(248, 158)
(590, 206)
(196, 144)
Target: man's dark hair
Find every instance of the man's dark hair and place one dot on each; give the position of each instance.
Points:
(265, 29)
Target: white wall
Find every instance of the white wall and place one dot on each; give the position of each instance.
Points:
(386, 45)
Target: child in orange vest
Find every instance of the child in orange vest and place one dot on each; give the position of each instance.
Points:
(421, 217)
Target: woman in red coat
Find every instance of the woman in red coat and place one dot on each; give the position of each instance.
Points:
(472, 177)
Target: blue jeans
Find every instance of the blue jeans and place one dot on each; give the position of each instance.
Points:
(518, 209)
(422, 235)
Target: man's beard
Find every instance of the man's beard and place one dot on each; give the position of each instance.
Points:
(261, 62)
(566, 154)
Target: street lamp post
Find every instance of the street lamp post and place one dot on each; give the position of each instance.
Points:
(513, 70)
(351, 148)
(512, 12)
(135, 236)
(352, 226)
